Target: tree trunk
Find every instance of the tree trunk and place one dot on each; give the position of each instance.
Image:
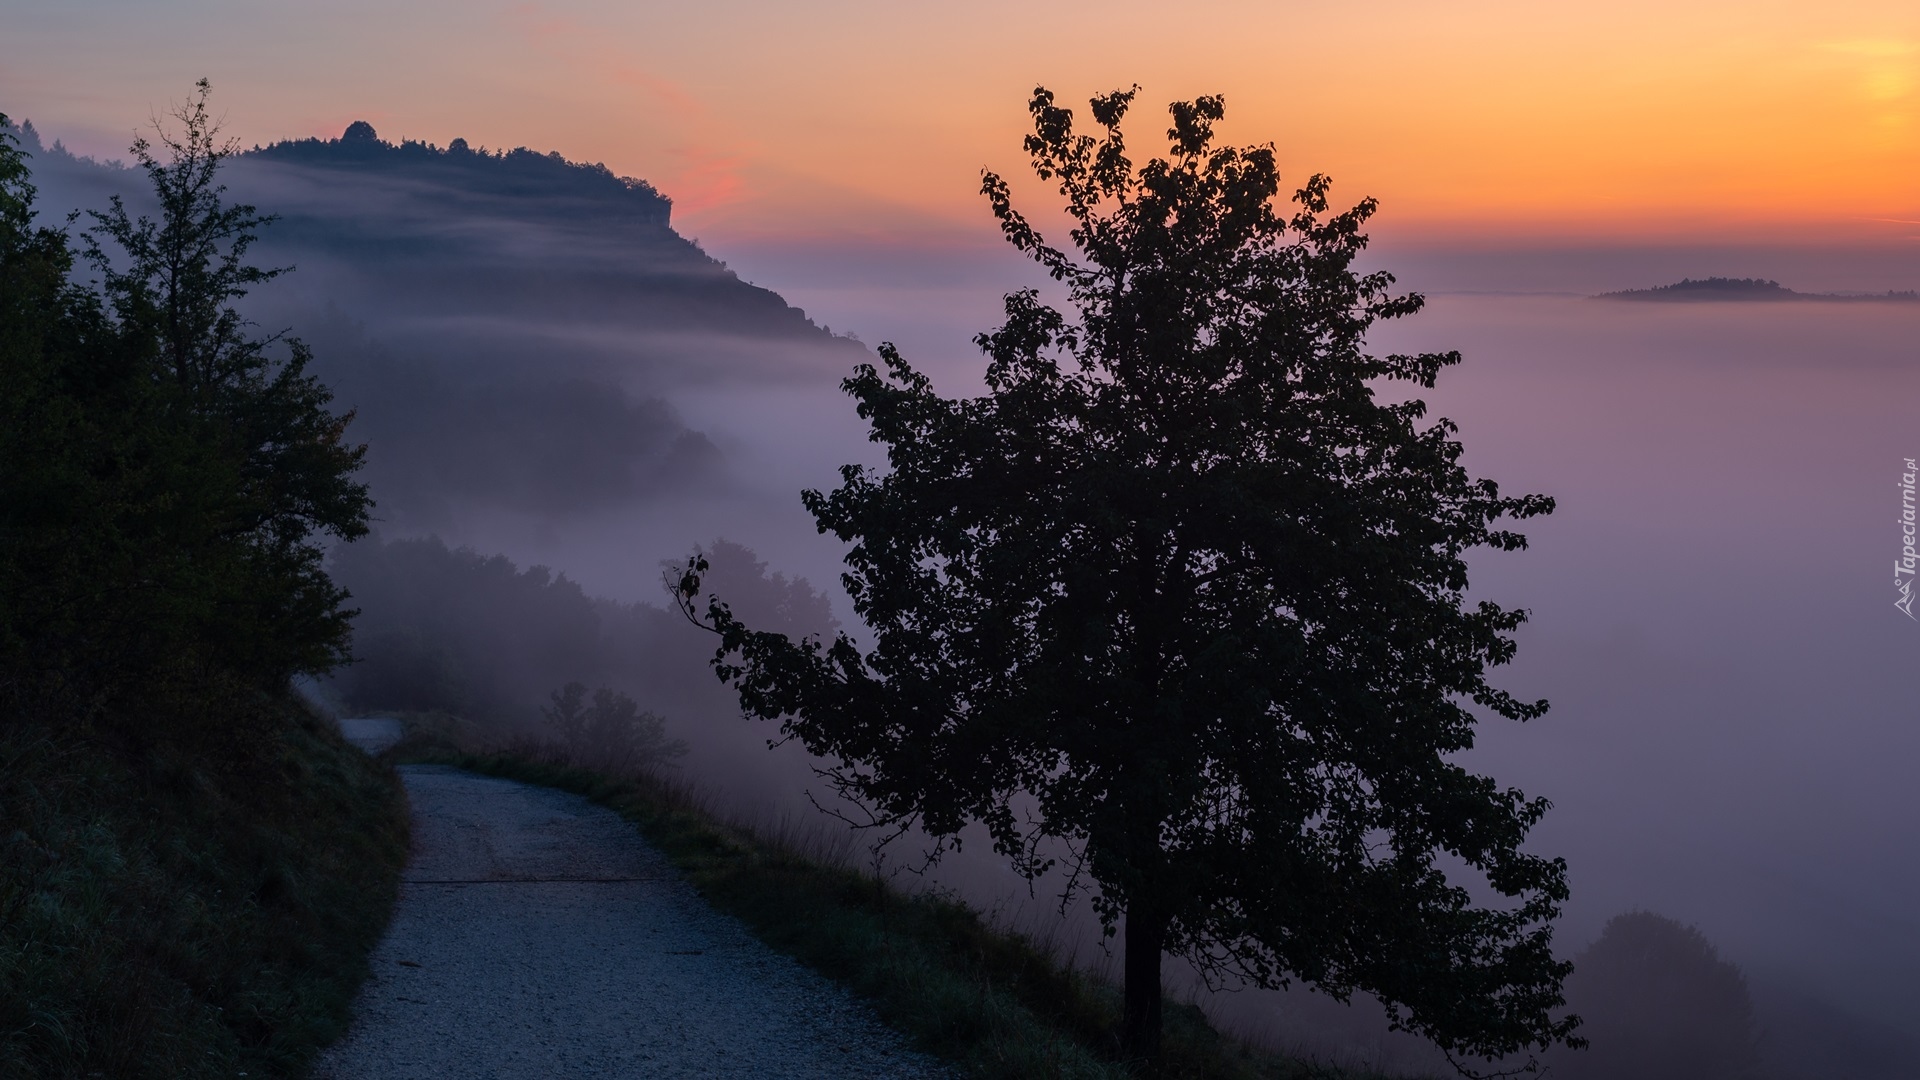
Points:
(1140, 1016)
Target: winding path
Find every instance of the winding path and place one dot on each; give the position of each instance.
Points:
(537, 935)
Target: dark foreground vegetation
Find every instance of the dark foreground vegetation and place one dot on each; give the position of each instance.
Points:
(999, 1005)
(192, 865)
(172, 909)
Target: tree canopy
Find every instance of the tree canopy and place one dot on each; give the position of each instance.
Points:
(1185, 598)
(1182, 596)
(165, 473)
(1661, 1004)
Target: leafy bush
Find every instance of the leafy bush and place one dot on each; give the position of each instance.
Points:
(611, 733)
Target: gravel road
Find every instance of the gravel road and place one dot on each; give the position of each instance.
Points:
(538, 935)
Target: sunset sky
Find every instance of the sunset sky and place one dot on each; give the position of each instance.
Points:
(1721, 122)
(1733, 735)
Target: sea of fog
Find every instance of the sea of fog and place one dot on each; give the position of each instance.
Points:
(1736, 718)
(1735, 724)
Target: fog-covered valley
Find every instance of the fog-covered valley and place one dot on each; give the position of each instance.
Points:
(548, 376)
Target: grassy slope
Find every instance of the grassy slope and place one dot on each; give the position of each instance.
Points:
(172, 912)
(988, 1000)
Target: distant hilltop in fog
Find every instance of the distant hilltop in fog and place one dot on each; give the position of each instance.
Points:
(512, 330)
(1749, 290)
(562, 188)
(406, 234)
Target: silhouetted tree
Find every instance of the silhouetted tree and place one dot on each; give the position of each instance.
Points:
(1182, 593)
(271, 471)
(68, 395)
(166, 473)
(1659, 1003)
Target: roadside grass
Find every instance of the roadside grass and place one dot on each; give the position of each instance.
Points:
(187, 906)
(997, 1004)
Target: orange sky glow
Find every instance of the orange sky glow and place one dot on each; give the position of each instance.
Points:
(1753, 121)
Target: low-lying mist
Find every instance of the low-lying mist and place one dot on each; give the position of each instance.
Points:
(480, 642)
